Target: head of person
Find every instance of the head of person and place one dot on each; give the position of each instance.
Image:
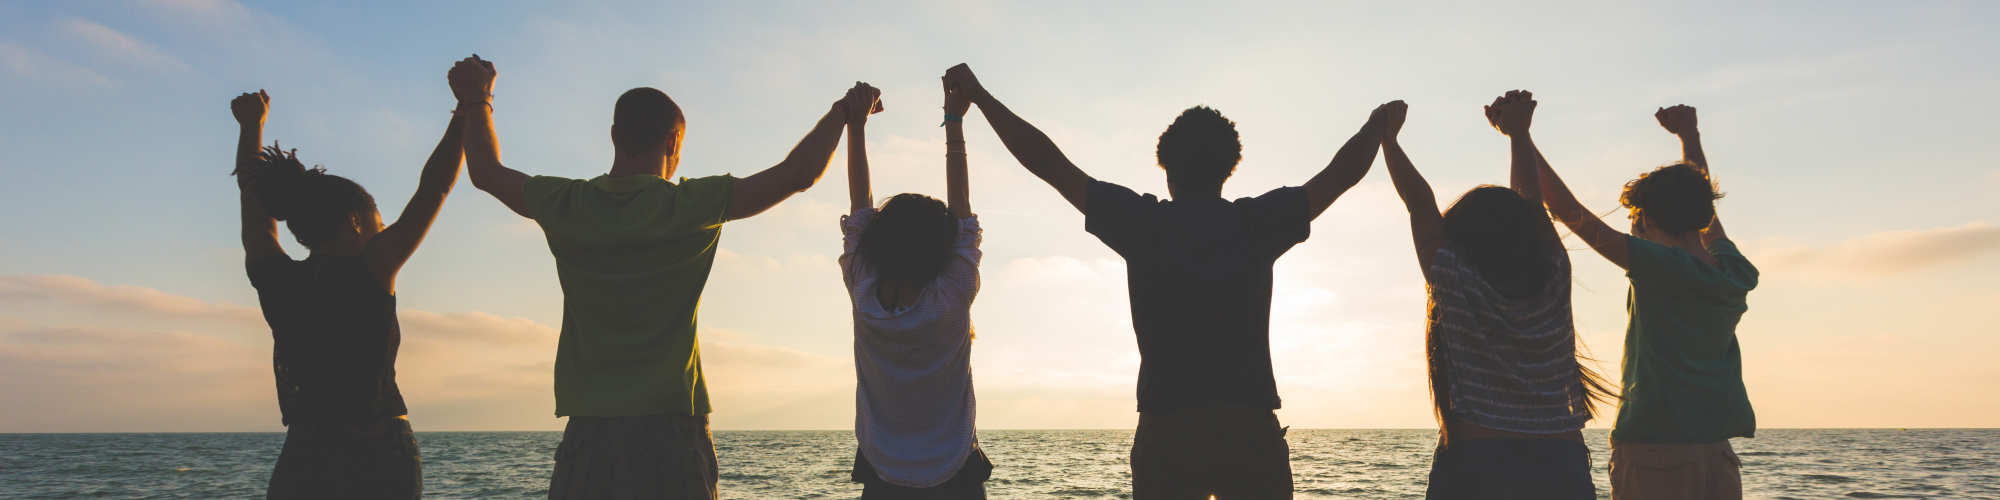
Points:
(1503, 235)
(321, 209)
(647, 123)
(1199, 151)
(1670, 202)
(909, 240)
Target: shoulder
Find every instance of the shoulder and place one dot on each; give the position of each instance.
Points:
(548, 183)
(713, 182)
(1733, 259)
(274, 266)
(1101, 192)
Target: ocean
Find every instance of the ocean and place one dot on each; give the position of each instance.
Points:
(1060, 464)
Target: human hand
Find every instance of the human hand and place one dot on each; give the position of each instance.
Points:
(861, 101)
(472, 79)
(1513, 112)
(960, 77)
(1677, 119)
(1388, 118)
(251, 108)
(956, 100)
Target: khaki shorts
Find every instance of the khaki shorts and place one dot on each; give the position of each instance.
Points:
(1231, 452)
(1708, 471)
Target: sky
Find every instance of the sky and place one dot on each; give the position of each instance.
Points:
(1854, 141)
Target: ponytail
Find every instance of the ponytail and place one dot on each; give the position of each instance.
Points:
(314, 204)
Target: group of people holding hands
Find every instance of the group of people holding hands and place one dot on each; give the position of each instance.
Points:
(633, 252)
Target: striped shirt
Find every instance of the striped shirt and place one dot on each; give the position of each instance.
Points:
(913, 400)
(1512, 358)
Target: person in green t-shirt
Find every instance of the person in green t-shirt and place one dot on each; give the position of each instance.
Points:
(1683, 371)
(633, 251)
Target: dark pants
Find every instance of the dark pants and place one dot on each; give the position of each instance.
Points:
(649, 457)
(322, 460)
(1229, 451)
(1501, 469)
(968, 484)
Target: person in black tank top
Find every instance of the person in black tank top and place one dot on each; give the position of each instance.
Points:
(333, 315)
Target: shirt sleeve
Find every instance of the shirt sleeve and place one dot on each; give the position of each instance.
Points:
(266, 271)
(703, 202)
(851, 227)
(544, 196)
(1282, 217)
(1646, 260)
(1117, 215)
(962, 272)
(1735, 264)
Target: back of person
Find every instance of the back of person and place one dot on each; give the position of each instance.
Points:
(1511, 353)
(914, 403)
(1199, 276)
(1683, 370)
(633, 255)
(335, 337)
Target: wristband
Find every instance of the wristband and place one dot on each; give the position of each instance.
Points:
(948, 118)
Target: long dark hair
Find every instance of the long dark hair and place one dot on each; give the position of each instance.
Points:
(314, 204)
(1508, 240)
(909, 240)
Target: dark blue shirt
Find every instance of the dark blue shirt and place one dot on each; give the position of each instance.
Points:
(1199, 275)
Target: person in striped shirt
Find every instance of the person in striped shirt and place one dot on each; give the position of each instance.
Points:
(1510, 396)
(911, 268)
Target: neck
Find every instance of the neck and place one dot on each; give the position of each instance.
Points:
(346, 246)
(648, 164)
(1191, 193)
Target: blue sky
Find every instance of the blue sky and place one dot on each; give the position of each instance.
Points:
(1854, 140)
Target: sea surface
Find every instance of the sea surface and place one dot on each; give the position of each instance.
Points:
(1058, 464)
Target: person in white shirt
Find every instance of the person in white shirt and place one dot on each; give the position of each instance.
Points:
(912, 269)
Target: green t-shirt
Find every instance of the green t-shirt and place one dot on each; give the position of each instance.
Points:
(633, 254)
(1683, 369)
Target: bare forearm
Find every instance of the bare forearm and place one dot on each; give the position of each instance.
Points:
(1410, 185)
(808, 160)
(1691, 151)
(957, 182)
(1561, 202)
(860, 194)
(250, 138)
(1037, 153)
(481, 145)
(441, 170)
(1349, 165)
(1524, 172)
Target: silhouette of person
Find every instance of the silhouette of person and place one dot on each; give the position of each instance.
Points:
(633, 251)
(1683, 370)
(333, 315)
(912, 270)
(1198, 269)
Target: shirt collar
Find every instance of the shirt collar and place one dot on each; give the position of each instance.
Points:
(625, 184)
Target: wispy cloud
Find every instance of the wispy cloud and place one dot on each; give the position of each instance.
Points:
(1890, 252)
(119, 46)
(35, 65)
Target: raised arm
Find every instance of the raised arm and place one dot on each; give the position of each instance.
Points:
(260, 233)
(1680, 121)
(387, 252)
(1513, 114)
(472, 82)
(1426, 225)
(1349, 165)
(1028, 144)
(957, 182)
(802, 168)
(860, 194)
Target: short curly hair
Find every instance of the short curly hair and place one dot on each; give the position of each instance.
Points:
(1200, 148)
(1677, 198)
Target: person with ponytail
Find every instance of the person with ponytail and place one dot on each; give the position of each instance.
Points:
(333, 315)
(912, 270)
(1509, 390)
